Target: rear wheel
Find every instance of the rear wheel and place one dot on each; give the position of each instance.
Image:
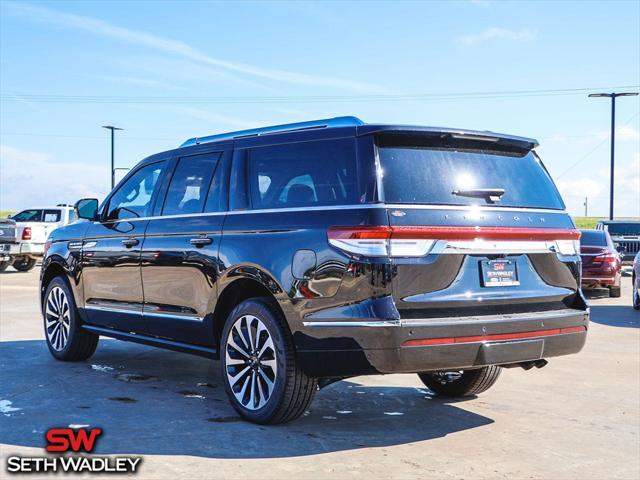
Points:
(262, 380)
(4, 265)
(24, 264)
(65, 339)
(461, 383)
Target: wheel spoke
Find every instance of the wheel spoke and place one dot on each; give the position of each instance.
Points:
(234, 361)
(232, 343)
(238, 329)
(240, 395)
(266, 379)
(234, 378)
(247, 324)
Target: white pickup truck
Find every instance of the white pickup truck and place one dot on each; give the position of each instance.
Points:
(33, 227)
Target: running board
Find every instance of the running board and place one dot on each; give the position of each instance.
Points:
(153, 341)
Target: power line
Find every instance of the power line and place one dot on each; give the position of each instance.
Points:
(59, 98)
(588, 154)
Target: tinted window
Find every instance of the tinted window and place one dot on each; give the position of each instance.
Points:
(593, 238)
(431, 175)
(28, 216)
(133, 198)
(631, 228)
(303, 174)
(189, 185)
(52, 216)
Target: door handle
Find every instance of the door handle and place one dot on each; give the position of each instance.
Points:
(201, 241)
(130, 242)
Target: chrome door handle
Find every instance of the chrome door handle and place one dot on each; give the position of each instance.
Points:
(130, 242)
(201, 241)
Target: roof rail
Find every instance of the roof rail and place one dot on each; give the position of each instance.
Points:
(289, 127)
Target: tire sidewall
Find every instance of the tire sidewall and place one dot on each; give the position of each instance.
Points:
(268, 315)
(73, 318)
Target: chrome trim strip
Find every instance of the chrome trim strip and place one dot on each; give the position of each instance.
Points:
(144, 313)
(377, 323)
(461, 208)
(466, 247)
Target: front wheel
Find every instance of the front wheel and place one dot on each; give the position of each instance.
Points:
(461, 383)
(263, 382)
(65, 339)
(24, 264)
(4, 265)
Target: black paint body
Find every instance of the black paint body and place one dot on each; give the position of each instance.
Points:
(167, 292)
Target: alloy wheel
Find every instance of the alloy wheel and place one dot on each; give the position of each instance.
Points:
(447, 377)
(57, 318)
(250, 360)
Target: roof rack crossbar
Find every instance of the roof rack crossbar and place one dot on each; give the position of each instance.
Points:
(289, 127)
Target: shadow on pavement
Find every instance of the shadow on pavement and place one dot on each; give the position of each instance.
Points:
(155, 402)
(615, 315)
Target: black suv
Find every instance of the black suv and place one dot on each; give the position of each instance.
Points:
(307, 253)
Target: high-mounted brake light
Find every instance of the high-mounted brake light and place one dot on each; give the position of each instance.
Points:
(26, 233)
(417, 241)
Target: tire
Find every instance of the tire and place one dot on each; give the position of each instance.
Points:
(4, 265)
(615, 292)
(290, 391)
(64, 337)
(24, 265)
(635, 295)
(463, 383)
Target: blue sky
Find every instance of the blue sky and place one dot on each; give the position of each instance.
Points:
(57, 152)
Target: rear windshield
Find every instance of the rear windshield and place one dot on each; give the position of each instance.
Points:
(631, 228)
(593, 238)
(431, 175)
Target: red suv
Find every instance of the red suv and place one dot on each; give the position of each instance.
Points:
(601, 262)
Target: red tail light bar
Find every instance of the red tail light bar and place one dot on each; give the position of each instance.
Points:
(415, 241)
(26, 233)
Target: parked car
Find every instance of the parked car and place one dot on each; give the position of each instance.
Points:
(7, 238)
(307, 253)
(635, 282)
(601, 262)
(33, 227)
(624, 233)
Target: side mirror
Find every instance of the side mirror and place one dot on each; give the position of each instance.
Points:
(87, 208)
(621, 248)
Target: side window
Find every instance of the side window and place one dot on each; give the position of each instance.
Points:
(190, 183)
(51, 216)
(72, 216)
(133, 198)
(303, 174)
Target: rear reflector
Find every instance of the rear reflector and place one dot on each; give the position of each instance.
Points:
(26, 233)
(415, 241)
(493, 337)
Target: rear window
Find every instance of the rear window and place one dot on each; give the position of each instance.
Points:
(593, 238)
(38, 215)
(631, 228)
(305, 174)
(430, 176)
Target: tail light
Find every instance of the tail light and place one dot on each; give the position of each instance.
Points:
(26, 233)
(417, 241)
(605, 258)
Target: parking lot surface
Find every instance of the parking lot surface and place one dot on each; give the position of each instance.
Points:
(579, 417)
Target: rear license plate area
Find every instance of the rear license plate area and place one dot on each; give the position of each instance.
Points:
(499, 273)
(510, 352)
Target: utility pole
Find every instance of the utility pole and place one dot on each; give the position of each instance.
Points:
(586, 206)
(113, 167)
(613, 97)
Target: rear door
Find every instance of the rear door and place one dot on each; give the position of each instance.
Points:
(475, 231)
(111, 253)
(180, 264)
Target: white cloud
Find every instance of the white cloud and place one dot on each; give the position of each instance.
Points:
(596, 188)
(624, 133)
(100, 27)
(31, 178)
(497, 33)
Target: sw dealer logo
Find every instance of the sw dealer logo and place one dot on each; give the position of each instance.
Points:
(69, 440)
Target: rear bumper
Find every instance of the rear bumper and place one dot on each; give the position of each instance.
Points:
(28, 249)
(454, 343)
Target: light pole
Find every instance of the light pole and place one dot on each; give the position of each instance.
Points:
(612, 96)
(113, 168)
